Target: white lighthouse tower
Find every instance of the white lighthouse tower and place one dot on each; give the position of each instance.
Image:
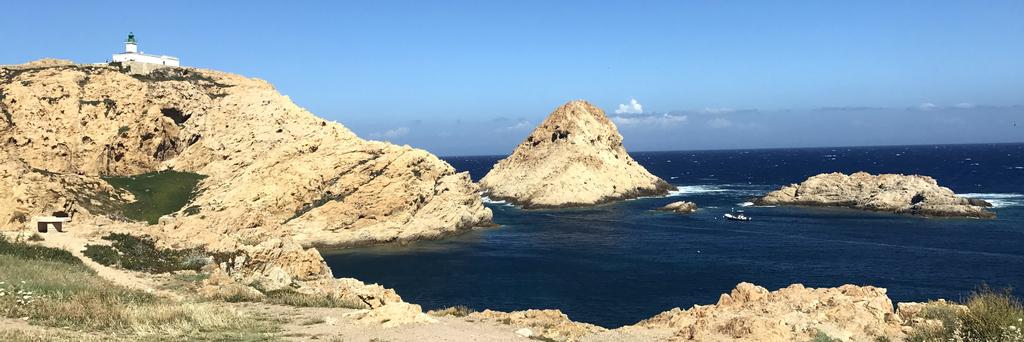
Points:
(129, 45)
(131, 55)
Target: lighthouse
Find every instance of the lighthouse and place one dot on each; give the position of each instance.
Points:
(131, 55)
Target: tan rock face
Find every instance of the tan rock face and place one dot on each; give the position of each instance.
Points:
(269, 163)
(911, 194)
(574, 158)
(794, 313)
(546, 324)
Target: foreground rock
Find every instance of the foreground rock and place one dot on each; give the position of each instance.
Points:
(910, 194)
(794, 313)
(680, 207)
(278, 178)
(574, 158)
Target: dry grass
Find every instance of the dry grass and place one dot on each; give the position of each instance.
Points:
(995, 316)
(294, 298)
(70, 296)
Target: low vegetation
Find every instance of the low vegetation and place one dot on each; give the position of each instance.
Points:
(294, 298)
(988, 315)
(141, 254)
(156, 193)
(45, 286)
(457, 311)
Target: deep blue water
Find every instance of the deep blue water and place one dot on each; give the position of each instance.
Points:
(617, 264)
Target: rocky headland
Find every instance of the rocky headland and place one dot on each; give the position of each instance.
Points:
(574, 158)
(276, 178)
(904, 194)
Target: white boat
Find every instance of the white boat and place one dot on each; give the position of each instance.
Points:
(738, 216)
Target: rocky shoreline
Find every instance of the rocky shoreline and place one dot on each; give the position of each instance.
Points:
(277, 180)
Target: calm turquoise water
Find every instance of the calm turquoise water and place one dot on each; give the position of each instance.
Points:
(620, 263)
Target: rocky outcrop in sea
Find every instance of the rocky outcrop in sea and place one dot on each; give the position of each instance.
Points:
(909, 194)
(574, 158)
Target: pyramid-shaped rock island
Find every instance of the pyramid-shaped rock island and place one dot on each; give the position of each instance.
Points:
(574, 158)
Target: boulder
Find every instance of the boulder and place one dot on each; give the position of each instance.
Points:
(680, 207)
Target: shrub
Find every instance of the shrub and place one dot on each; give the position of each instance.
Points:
(141, 254)
(990, 316)
(457, 311)
(33, 252)
(102, 254)
(821, 336)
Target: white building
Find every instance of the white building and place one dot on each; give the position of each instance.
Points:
(132, 54)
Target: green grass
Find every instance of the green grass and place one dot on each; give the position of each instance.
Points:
(457, 311)
(68, 295)
(156, 193)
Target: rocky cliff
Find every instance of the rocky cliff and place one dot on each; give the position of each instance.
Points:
(274, 171)
(574, 158)
(910, 194)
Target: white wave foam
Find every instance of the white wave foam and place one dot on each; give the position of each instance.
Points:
(486, 199)
(998, 200)
(695, 189)
(746, 204)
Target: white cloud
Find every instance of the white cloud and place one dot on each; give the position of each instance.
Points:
(391, 133)
(964, 105)
(927, 106)
(649, 119)
(719, 123)
(634, 107)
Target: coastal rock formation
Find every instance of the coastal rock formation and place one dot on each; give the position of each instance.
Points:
(794, 313)
(277, 178)
(911, 194)
(680, 207)
(574, 158)
(551, 325)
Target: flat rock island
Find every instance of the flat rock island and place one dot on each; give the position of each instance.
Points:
(904, 194)
(574, 158)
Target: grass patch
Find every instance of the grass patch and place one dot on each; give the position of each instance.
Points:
(293, 298)
(71, 296)
(990, 316)
(141, 254)
(156, 193)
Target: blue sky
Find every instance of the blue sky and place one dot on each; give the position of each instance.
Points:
(473, 77)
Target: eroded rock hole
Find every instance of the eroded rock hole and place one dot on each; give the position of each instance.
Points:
(175, 114)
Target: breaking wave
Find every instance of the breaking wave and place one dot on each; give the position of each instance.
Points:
(999, 200)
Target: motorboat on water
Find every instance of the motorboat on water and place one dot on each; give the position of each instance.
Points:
(737, 216)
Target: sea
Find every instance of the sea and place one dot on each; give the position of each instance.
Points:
(620, 263)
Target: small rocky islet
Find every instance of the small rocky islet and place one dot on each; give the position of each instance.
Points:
(278, 180)
(895, 193)
(574, 158)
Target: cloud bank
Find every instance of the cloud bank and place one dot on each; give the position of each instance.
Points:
(634, 107)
